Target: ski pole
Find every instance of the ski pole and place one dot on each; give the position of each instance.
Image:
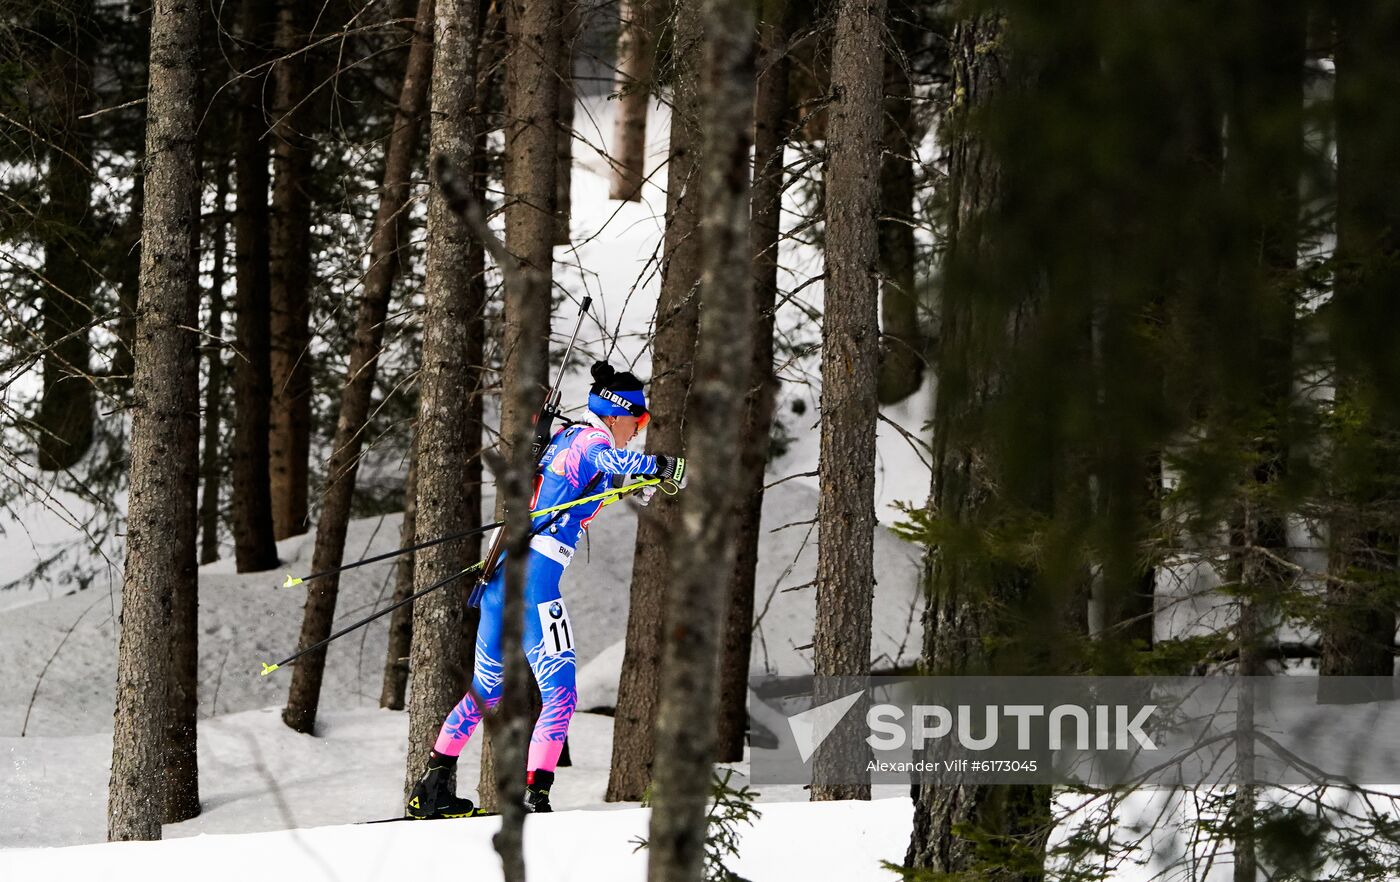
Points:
(553, 509)
(293, 581)
(267, 668)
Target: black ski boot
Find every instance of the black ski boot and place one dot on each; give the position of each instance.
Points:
(431, 797)
(537, 784)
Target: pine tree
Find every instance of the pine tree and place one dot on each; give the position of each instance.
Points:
(971, 598)
(564, 138)
(1263, 164)
(685, 732)
(901, 337)
(532, 108)
(254, 543)
(770, 134)
(850, 370)
(182, 641)
(211, 464)
(66, 412)
(391, 693)
(635, 58)
(164, 432)
(673, 353)
(289, 276)
(436, 678)
(1358, 638)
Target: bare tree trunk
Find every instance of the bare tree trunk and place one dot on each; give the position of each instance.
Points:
(770, 111)
(182, 641)
(1263, 163)
(210, 467)
(129, 285)
(289, 428)
(685, 730)
(473, 473)
(490, 87)
(254, 543)
(532, 107)
(673, 353)
(391, 695)
(490, 44)
(635, 57)
(66, 411)
(850, 368)
(961, 621)
(436, 676)
(355, 397)
(1359, 631)
(164, 428)
(901, 339)
(564, 140)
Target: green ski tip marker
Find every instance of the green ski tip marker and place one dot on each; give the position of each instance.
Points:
(267, 669)
(291, 581)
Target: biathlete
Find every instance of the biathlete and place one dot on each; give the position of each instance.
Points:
(579, 459)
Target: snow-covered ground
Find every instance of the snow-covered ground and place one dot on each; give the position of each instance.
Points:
(257, 776)
(839, 840)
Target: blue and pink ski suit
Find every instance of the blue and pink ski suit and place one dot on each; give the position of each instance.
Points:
(577, 455)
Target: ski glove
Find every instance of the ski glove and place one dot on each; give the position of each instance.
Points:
(672, 468)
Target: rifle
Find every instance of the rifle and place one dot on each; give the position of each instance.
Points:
(544, 433)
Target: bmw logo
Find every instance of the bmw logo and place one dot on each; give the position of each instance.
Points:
(556, 609)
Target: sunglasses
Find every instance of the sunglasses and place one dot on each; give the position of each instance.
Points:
(643, 420)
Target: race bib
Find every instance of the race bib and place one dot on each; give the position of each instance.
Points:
(554, 625)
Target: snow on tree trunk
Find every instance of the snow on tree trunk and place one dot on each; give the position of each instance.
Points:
(253, 539)
(703, 546)
(436, 677)
(356, 396)
(635, 57)
(850, 367)
(160, 539)
(673, 354)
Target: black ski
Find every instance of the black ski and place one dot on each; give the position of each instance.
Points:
(407, 818)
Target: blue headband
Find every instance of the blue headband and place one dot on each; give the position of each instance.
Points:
(611, 406)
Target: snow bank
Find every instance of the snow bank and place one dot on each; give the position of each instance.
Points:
(256, 776)
(838, 840)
